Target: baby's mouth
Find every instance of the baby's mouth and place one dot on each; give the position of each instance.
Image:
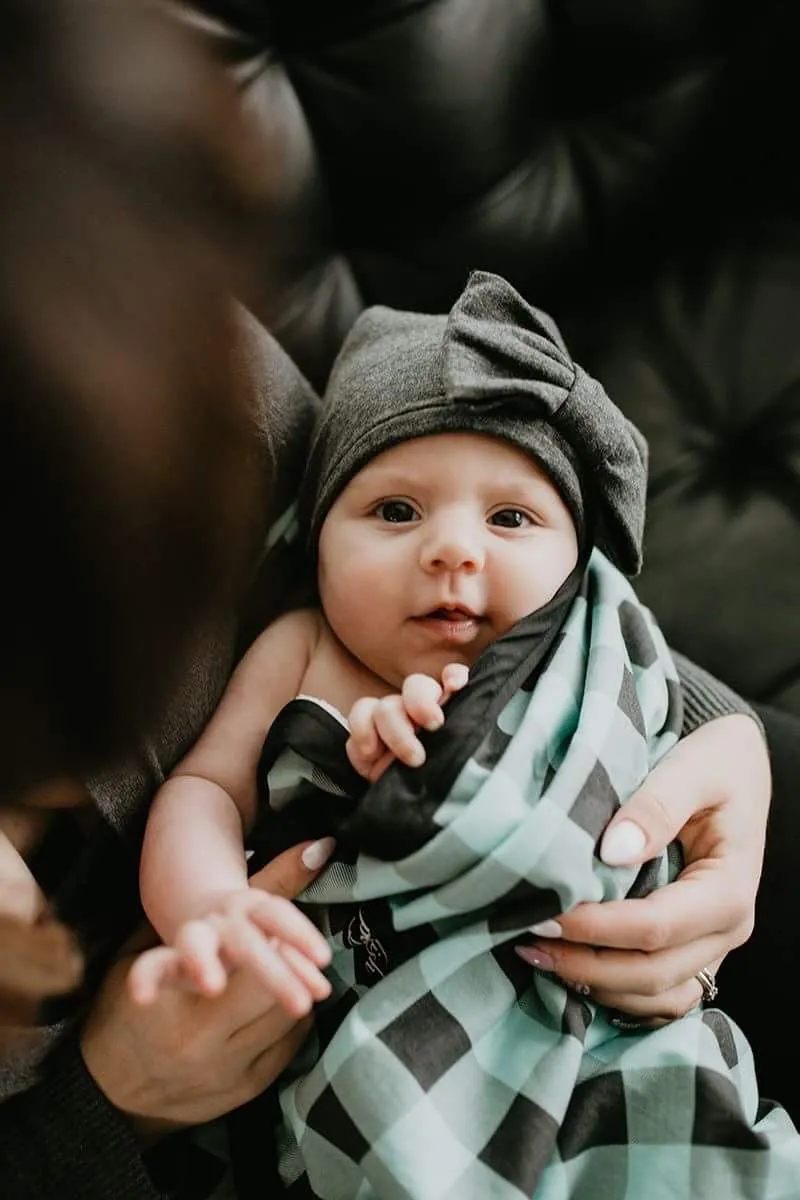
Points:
(451, 614)
(454, 624)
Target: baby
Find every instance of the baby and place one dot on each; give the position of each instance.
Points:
(473, 502)
(437, 529)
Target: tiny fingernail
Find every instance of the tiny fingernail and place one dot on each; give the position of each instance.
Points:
(416, 757)
(435, 723)
(622, 844)
(317, 854)
(549, 929)
(535, 957)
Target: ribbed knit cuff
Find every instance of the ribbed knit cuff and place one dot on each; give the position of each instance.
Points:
(62, 1138)
(705, 698)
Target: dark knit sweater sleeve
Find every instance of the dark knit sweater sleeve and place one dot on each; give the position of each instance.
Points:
(705, 697)
(62, 1138)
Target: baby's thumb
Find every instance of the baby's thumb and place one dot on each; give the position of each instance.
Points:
(455, 676)
(655, 814)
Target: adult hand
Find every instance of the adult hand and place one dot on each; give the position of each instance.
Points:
(189, 1058)
(642, 956)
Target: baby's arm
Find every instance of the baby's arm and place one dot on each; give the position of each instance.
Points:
(193, 871)
(385, 728)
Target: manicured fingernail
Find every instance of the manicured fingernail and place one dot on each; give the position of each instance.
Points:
(535, 957)
(317, 853)
(622, 844)
(550, 929)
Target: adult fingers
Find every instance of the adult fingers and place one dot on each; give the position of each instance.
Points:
(272, 1058)
(291, 872)
(655, 814)
(724, 763)
(266, 1027)
(150, 972)
(662, 1008)
(609, 972)
(700, 902)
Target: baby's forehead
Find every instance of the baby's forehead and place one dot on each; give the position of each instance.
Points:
(468, 457)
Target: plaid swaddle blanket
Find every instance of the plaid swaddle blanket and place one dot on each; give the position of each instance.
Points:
(443, 1067)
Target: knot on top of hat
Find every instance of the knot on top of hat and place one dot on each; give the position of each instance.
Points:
(499, 350)
(498, 347)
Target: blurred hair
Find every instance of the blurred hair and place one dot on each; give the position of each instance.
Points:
(128, 188)
(125, 502)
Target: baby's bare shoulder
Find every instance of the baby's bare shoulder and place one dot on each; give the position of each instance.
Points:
(335, 675)
(307, 623)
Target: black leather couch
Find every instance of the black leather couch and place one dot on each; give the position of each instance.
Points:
(632, 168)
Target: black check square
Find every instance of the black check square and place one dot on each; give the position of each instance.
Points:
(427, 1039)
(331, 1120)
(521, 1145)
(718, 1116)
(596, 1116)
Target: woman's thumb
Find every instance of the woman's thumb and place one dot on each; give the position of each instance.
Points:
(292, 871)
(655, 814)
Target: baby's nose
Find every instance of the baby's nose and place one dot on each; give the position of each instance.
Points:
(454, 548)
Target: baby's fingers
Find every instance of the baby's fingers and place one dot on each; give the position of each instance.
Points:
(197, 944)
(396, 731)
(155, 969)
(246, 946)
(455, 676)
(280, 918)
(364, 740)
(421, 700)
(307, 973)
(369, 768)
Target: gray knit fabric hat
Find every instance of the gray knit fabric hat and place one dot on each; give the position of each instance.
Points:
(495, 366)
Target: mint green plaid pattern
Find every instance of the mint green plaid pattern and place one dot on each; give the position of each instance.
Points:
(444, 1068)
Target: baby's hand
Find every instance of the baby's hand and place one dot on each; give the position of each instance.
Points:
(246, 928)
(383, 729)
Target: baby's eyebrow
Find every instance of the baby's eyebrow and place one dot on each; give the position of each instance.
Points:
(515, 486)
(386, 481)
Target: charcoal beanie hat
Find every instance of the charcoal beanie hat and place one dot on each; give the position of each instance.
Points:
(494, 366)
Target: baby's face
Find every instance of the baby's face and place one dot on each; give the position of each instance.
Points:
(436, 548)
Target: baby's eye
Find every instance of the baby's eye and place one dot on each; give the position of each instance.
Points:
(395, 511)
(510, 518)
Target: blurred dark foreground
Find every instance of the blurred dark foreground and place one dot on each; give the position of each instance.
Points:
(124, 214)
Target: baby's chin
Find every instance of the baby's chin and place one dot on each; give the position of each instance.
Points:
(431, 663)
(416, 659)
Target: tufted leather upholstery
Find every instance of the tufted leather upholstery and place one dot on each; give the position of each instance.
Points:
(624, 164)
